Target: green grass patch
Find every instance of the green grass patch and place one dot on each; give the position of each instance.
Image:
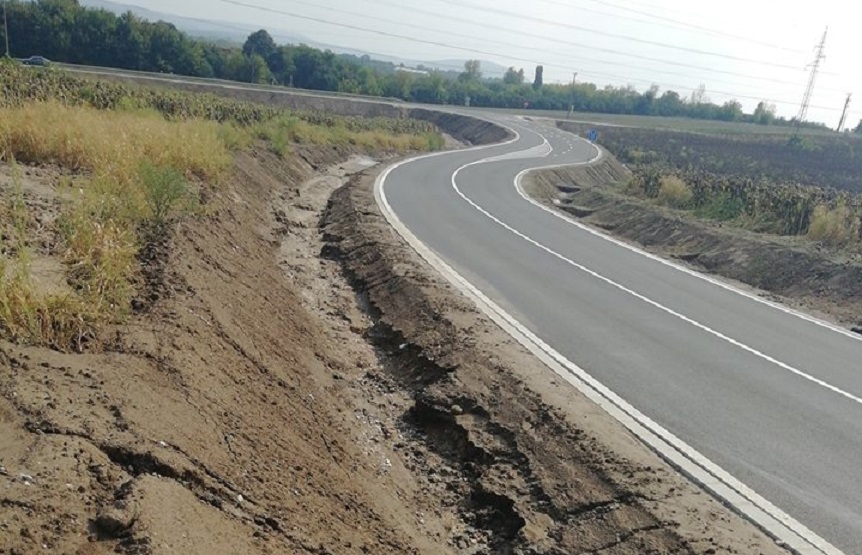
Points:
(721, 206)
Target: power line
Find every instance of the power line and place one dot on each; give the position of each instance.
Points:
(475, 51)
(463, 4)
(510, 30)
(678, 23)
(508, 44)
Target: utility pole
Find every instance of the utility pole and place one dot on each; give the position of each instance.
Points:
(6, 28)
(809, 90)
(572, 103)
(844, 113)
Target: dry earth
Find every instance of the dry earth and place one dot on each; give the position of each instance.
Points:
(302, 383)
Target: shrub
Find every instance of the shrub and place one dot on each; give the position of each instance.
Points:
(721, 206)
(165, 191)
(834, 226)
(674, 192)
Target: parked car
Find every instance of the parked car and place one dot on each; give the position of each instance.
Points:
(36, 61)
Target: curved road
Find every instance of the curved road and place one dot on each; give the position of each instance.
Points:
(770, 396)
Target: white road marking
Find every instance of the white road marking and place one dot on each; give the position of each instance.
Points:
(675, 266)
(644, 298)
(743, 499)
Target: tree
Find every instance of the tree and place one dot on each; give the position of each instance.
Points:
(514, 77)
(258, 71)
(764, 114)
(472, 71)
(539, 80)
(730, 111)
(430, 88)
(698, 96)
(858, 128)
(669, 104)
(399, 85)
(260, 43)
(645, 105)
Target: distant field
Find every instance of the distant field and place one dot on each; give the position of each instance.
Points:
(821, 160)
(657, 122)
(102, 72)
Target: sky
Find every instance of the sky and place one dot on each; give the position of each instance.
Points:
(748, 50)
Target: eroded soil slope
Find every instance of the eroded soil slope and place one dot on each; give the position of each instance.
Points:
(212, 424)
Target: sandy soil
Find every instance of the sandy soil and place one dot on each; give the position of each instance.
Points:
(302, 383)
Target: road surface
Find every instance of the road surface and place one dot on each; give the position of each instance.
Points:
(770, 396)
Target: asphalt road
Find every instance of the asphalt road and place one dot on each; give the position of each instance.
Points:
(773, 398)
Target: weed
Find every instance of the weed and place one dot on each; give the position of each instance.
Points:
(61, 321)
(165, 191)
(111, 144)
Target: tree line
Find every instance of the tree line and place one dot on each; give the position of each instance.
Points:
(65, 31)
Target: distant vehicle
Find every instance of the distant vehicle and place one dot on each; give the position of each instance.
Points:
(36, 61)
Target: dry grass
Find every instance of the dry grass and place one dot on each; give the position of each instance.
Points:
(674, 192)
(58, 320)
(835, 226)
(135, 169)
(111, 144)
(124, 155)
(281, 132)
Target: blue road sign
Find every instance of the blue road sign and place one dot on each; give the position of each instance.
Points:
(593, 135)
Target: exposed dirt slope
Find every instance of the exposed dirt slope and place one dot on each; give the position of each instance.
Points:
(795, 270)
(215, 423)
(463, 128)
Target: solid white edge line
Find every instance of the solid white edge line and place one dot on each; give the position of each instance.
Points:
(644, 298)
(775, 522)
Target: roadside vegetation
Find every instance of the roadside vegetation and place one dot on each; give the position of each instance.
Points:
(135, 160)
(759, 183)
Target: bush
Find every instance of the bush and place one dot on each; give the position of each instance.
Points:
(721, 206)
(835, 226)
(165, 191)
(674, 192)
